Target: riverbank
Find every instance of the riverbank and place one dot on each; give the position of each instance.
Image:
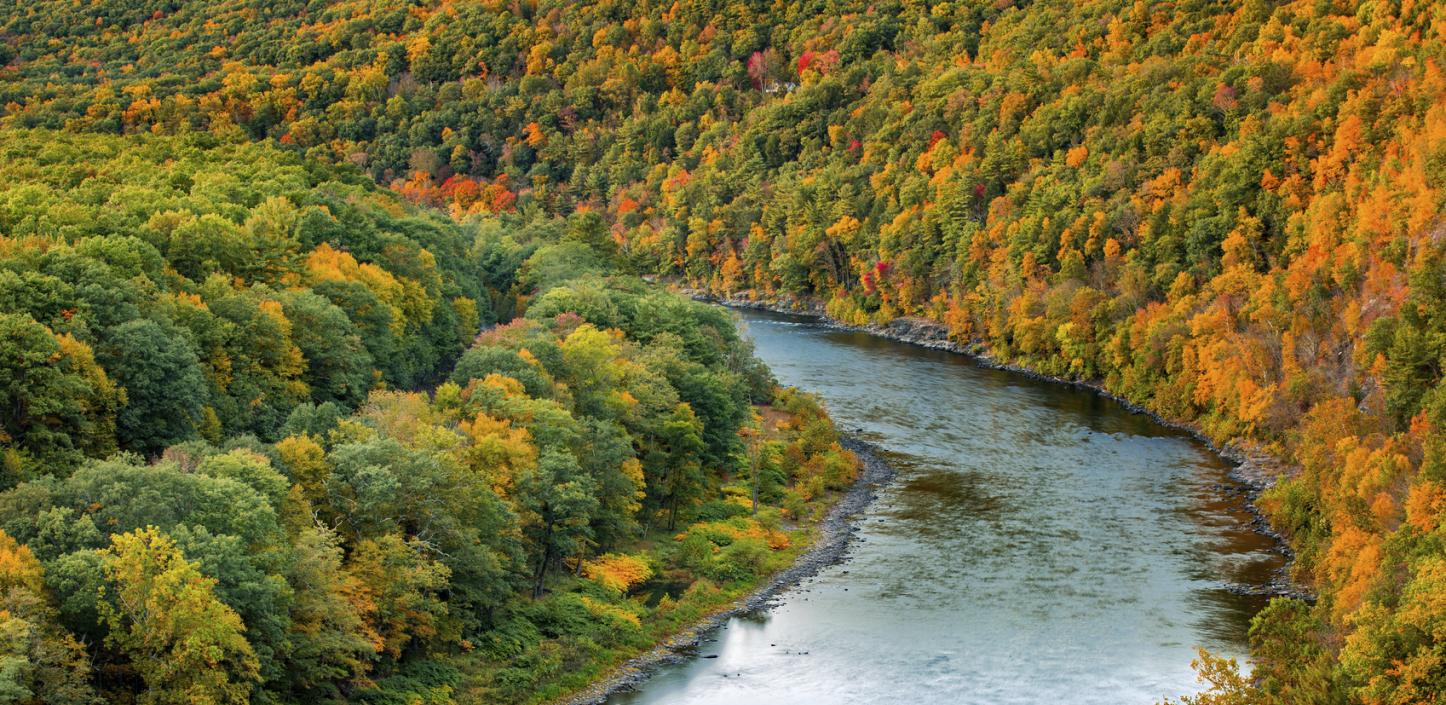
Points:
(835, 534)
(1252, 468)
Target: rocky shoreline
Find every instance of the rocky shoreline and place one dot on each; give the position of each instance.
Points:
(1254, 469)
(836, 535)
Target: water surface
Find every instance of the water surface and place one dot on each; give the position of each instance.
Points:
(1041, 545)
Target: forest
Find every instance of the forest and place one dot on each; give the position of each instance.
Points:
(265, 442)
(1230, 213)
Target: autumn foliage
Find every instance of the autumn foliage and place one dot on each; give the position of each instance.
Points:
(1230, 213)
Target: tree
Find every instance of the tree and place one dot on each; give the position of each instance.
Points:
(397, 590)
(483, 360)
(123, 494)
(719, 400)
(560, 500)
(375, 321)
(250, 469)
(606, 453)
(674, 461)
(165, 390)
(40, 662)
(305, 463)
(752, 439)
(435, 504)
(1289, 665)
(163, 615)
(338, 366)
(329, 651)
(55, 402)
(554, 264)
(247, 581)
(1225, 684)
(590, 358)
(271, 244)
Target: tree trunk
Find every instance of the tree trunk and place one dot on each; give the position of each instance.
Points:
(537, 588)
(753, 463)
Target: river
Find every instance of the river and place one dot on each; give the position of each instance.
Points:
(1041, 545)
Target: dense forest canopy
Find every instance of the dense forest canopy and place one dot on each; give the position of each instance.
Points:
(157, 289)
(1228, 212)
(264, 442)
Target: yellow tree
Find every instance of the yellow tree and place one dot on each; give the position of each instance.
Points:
(163, 614)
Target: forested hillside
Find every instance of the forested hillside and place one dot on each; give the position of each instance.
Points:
(1228, 212)
(247, 460)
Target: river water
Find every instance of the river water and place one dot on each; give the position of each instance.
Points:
(1041, 545)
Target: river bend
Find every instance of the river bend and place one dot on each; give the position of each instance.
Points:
(1040, 545)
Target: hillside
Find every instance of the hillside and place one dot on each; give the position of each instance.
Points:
(1228, 212)
(264, 442)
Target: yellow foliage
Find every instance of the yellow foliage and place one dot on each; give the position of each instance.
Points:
(617, 571)
(19, 567)
(305, 460)
(498, 450)
(610, 611)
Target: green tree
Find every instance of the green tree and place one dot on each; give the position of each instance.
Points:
(381, 488)
(55, 403)
(338, 366)
(674, 462)
(165, 390)
(483, 360)
(560, 500)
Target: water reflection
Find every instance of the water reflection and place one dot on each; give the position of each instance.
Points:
(1042, 545)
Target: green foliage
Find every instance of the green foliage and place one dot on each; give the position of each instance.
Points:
(164, 389)
(481, 361)
(415, 548)
(338, 366)
(186, 288)
(559, 500)
(57, 404)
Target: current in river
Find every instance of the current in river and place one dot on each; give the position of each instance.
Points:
(1041, 545)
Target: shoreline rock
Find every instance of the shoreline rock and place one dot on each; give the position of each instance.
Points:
(836, 534)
